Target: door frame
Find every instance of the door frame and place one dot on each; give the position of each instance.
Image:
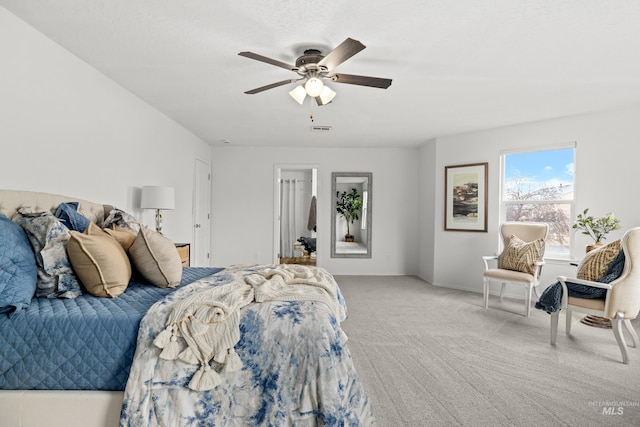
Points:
(277, 174)
(196, 183)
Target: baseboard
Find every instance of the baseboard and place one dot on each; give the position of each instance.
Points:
(508, 292)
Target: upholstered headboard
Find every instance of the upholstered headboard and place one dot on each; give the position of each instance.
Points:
(12, 200)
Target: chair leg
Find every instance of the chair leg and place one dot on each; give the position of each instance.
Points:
(617, 332)
(504, 285)
(632, 332)
(568, 319)
(485, 283)
(554, 326)
(527, 298)
(535, 291)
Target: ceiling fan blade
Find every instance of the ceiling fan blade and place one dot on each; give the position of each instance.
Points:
(261, 58)
(344, 51)
(271, 86)
(361, 80)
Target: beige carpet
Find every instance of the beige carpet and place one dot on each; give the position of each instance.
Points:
(432, 356)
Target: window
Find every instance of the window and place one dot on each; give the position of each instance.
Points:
(538, 186)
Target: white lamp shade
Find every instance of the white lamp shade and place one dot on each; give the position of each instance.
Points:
(298, 94)
(327, 95)
(158, 197)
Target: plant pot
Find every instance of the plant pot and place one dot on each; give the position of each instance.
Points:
(349, 238)
(596, 245)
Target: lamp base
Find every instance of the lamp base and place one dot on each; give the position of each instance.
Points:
(158, 221)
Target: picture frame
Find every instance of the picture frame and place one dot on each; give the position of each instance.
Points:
(465, 207)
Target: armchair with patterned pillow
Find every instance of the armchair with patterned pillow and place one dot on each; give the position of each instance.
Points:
(615, 295)
(521, 261)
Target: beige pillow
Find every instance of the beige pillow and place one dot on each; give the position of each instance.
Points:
(156, 258)
(122, 236)
(99, 262)
(596, 262)
(522, 256)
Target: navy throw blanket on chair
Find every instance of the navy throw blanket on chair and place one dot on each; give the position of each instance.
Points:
(551, 298)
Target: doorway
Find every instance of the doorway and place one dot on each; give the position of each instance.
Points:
(295, 213)
(200, 256)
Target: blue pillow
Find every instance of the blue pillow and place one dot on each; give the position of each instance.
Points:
(18, 272)
(71, 218)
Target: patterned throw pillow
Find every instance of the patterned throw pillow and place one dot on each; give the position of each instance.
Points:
(122, 219)
(596, 262)
(48, 237)
(522, 256)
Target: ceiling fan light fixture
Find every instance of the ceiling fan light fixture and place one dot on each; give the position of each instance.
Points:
(327, 95)
(298, 94)
(313, 86)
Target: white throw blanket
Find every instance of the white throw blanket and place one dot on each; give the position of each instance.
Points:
(205, 326)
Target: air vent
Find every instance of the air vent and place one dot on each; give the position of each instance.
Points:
(321, 128)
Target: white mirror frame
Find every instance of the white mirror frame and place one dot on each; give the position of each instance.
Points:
(356, 177)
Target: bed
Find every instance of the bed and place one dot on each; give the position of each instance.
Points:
(96, 361)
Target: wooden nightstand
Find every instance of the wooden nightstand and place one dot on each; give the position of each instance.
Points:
(307, 260)
(184, 250)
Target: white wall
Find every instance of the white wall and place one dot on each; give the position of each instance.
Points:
(608, 149)
(243, 200)
(65, 128)
(427, 209)
(68, 129)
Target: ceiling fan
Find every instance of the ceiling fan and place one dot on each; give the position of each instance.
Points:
(313, 68)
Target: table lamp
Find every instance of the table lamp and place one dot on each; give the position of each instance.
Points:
(159, 198)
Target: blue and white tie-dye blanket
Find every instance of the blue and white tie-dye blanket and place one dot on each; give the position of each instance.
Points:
(296, 369)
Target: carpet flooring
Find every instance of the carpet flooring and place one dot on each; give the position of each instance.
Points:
(431, 356)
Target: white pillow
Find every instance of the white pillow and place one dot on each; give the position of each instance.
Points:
(156, 258)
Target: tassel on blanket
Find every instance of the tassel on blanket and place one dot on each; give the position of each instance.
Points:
(163, 337)
(233, 362)
(171, 350)
(204, 379)
(167, 340)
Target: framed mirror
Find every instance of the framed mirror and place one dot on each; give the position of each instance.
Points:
(351, 214)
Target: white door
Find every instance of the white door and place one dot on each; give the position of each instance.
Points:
(200, 256)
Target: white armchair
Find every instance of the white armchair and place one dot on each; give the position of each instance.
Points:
(529, 276)
(621, 303)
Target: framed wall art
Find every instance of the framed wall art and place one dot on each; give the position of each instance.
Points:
(465, 207)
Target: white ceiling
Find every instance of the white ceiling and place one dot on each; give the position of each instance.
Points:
(457, 66)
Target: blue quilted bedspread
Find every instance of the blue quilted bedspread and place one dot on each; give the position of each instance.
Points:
(86, 343)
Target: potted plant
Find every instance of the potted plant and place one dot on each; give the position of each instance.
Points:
(597, 228)
(348, 206)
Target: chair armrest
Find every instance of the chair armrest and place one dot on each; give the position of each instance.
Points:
(486, 259)
(565, 292)
(563, 279)
(537, 270)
